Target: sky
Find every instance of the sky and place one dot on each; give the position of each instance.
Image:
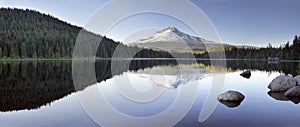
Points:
(240, 22)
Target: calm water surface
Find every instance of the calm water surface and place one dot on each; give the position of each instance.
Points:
(42, 94)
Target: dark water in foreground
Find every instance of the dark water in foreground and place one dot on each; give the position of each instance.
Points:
(42, 94)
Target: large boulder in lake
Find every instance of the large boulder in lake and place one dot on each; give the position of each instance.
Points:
(293, 92)
(282, 83)
(297, 78)
(231, 96)
(246, 74)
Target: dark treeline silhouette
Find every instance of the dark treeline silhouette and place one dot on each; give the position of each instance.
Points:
(30, 85)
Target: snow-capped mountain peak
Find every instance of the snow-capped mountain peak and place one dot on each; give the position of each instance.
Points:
(170, 34)
(172, 39)
(171, 29)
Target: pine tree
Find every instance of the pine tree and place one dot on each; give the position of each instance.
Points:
(1, 52)
(287, 45)
(13, 53)
(34, 55)
(23, 50)
(5, 53)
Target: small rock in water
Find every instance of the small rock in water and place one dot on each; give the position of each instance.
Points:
(231, 96)
(282, 83)
(297, 78)
(293, 92)
(246, 74)
(231, 104)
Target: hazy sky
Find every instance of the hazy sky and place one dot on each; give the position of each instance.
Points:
(252, 22)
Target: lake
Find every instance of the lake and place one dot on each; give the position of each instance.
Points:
(146, 92)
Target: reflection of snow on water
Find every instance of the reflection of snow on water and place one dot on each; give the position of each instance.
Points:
(171, 77)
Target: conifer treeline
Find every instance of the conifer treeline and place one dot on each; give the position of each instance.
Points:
(287, 51)
(30, 34)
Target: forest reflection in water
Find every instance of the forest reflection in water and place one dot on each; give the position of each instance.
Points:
(32, 84)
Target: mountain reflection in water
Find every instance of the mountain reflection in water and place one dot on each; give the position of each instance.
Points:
(30, 85)
(171, 77)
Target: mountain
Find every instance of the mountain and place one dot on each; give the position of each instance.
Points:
(172, 39)
(171, 34)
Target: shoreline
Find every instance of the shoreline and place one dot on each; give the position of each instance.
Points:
(79, 59)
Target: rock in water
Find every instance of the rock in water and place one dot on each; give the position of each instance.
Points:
(278, 96)
(295, 100)
(293, 92)
(281, 97)
(231, 104)
(231, 96)
(282, 83)
(297, 78)
(246, 74)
